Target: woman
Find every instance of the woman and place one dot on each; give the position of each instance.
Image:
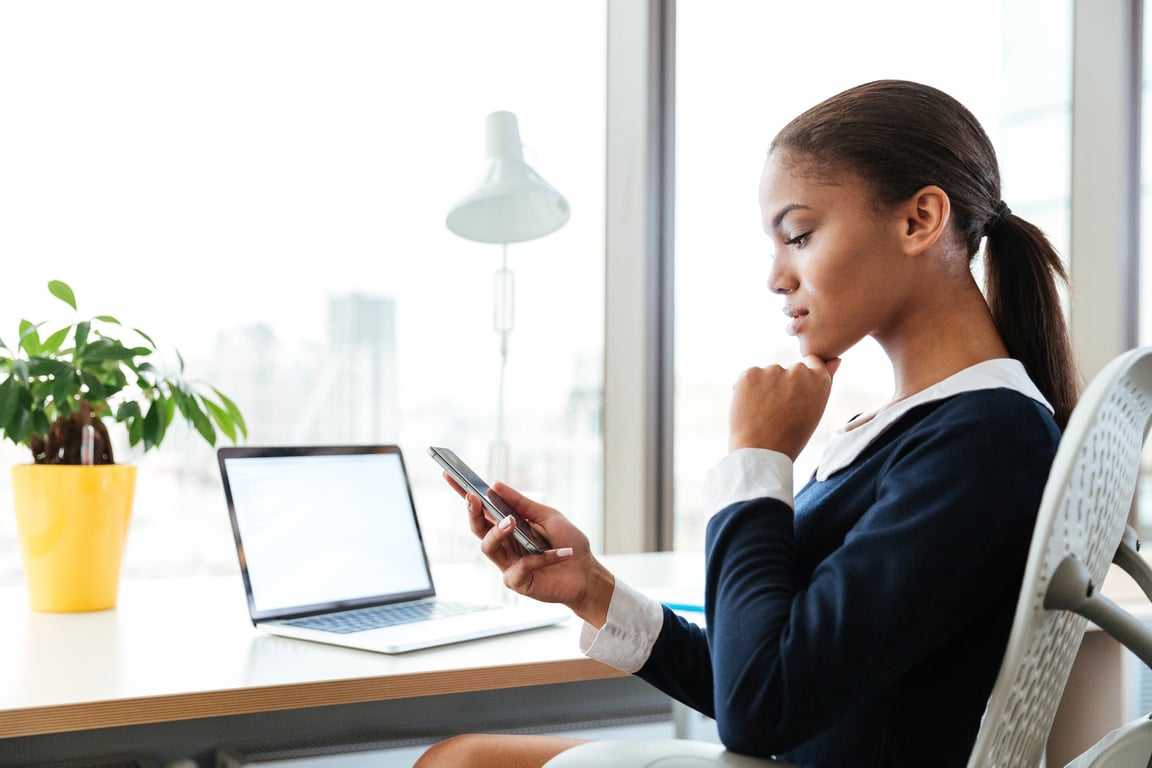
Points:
(865, 628)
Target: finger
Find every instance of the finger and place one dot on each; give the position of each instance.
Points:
(519, 574)
(455, 485)
(477, 516)
(498, 544)
(819, 365)
(510, 494)
(751, 377)
(814, 363)
(530, 510)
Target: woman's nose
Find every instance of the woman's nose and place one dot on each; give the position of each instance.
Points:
(779, 279)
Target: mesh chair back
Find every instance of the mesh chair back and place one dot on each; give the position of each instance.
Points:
(1083, 512)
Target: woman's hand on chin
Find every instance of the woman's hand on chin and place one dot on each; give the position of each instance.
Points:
(779, 408)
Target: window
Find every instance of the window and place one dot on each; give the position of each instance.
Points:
(1144, 268)
(263, 186)
(744, 68)
(1144, 308)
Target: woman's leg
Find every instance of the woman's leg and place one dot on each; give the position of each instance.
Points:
(495, 751)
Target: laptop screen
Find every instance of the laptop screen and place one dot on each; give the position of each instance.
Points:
(323, 527)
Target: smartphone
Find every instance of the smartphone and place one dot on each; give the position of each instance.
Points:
(499, 509)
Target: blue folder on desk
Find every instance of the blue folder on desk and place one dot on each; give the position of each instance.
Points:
(330, 551)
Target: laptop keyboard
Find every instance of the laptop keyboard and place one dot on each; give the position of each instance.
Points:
(375, 617)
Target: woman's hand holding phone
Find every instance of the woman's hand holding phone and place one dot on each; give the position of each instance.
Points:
(567, 574)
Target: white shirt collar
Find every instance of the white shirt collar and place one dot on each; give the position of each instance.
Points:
(1003, 373)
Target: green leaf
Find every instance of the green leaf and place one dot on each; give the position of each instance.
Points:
(9, 396)
(95, 383)
(29, 338)
(146, 337)
(82, 337)
(222, 418)
(135, 430)
(153, 429)
(62, 391)
(20, 427)
(146, 375)
(202, 423)
(129, 410)
(114, 380)
(61, 291)
(47, 366)
(3, 345)
(233, 411)
(180, 397)
(107, 349)
(107, 319)
(40, 424)
(116, 376)
(96, 388)
(53, 342)
(41, 392)
(167, 412)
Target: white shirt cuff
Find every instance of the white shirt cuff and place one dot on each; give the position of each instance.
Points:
(746, 474)
(626, 639)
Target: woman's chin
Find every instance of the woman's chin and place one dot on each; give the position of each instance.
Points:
(807, 347)
(825, 352)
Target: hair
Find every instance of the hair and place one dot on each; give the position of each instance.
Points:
(900, 137)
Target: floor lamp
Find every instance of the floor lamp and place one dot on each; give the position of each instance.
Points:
(511, 205)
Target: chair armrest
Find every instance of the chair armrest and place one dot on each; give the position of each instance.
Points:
(1071, 589)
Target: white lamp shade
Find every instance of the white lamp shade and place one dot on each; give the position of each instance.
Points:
(513, 203)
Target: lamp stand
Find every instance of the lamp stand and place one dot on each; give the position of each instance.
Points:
(503, 319)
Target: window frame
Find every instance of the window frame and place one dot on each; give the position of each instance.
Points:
(638, 366)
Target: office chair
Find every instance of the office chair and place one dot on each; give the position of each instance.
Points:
(1079, 527)
(1130, 745)
(1082, 520)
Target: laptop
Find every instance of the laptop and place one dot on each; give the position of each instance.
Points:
(330, 550)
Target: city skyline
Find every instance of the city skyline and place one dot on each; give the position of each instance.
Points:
(179, 524)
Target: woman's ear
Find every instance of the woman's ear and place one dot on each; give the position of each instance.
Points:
(926, 215)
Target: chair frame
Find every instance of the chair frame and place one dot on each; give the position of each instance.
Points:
(1079, 529)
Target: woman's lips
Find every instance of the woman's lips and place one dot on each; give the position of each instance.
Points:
(795, 319)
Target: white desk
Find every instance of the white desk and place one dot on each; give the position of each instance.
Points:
(177, 669)
(183, 654)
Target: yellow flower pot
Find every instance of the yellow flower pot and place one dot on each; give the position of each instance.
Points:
(72, 523)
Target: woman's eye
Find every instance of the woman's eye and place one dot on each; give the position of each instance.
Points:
(799, 240)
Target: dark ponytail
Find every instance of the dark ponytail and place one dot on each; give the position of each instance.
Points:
(901, 137)
(1020, 272)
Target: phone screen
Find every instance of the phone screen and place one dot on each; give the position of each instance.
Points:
(470, 481)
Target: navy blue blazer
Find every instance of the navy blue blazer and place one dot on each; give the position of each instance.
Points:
(867, 629)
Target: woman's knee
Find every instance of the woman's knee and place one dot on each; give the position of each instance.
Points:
(474, 750)
(450, 752)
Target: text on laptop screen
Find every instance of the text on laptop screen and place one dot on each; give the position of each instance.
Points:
(322, 529)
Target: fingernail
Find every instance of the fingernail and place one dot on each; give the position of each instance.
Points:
(505, 523)
(564, 552)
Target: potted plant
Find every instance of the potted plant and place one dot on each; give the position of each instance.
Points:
(58, 388)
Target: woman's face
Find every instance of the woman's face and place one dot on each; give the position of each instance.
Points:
(838, 260)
